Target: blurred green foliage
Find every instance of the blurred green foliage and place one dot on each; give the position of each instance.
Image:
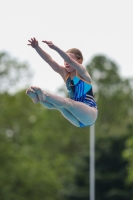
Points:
(43, 156)
(114, 133)
(14, 74)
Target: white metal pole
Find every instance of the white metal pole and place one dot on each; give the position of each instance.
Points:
(92, 162)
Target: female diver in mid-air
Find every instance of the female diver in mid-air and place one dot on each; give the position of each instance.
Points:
(81, 108)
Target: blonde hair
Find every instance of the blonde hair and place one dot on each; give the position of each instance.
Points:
(76, 52)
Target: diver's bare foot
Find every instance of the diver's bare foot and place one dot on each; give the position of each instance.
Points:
(41, 94)
(33, 95)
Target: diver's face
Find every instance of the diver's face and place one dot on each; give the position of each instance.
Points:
(68, 67)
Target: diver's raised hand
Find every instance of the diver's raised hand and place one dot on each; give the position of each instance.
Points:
(33, 42)
(49, 43)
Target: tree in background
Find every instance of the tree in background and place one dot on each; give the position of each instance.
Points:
(43, 156)
(37, 149)
(111, 173)
(14, 75)
(115, 96)
(128, 152)
(37, 146)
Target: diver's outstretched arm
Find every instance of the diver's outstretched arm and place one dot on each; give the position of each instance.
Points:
(47, 58)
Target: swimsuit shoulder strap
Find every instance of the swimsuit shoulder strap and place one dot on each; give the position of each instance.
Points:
(82, 78)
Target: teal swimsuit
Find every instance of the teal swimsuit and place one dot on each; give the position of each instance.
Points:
(80, 90)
